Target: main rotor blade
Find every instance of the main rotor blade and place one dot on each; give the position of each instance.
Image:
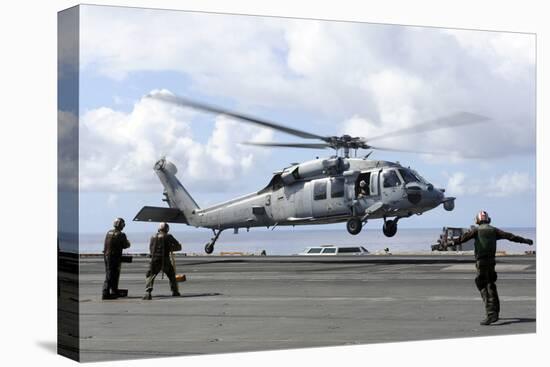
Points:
(447, 153)
(213, 109)
(289, 145)
(454, 120)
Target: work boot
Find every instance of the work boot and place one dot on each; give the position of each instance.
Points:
(176, 294)
(489, 319)
(105, 296)
(147, 296)
(122, 293)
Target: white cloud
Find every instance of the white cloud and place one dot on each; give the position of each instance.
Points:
(511, 54)
(510, 184)
(507, 184)
(118, 149)
(456, 184)
(354, 78)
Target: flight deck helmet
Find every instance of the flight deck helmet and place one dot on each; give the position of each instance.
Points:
(164, 227)
(483, 217)
(119, 224)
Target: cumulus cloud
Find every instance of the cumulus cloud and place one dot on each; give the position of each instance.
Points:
(456, 184)
(512, 54)
(118, 149)
(507, 184)
(512, 183)
(362, 79)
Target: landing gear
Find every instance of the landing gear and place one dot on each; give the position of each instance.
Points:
(354, 225)
(209, 247)
(390, 227)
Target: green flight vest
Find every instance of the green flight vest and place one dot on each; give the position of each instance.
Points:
(486, 241)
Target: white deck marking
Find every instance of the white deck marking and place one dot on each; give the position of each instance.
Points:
(499, 267)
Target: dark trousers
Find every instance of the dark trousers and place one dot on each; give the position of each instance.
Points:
(112, 275)
(486, 283)
(156, 267)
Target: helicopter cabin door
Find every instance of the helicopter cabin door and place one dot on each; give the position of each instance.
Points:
(320, 202)
(336, 197)
(302, 202)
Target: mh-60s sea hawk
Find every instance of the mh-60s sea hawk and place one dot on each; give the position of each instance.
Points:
(321, 191)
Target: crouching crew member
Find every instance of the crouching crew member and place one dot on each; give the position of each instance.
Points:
(485, 246)
(160, 246)
(115, 242)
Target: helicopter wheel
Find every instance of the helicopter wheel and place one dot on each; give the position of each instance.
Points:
(354, 226)
(390, 228)
(209, 248)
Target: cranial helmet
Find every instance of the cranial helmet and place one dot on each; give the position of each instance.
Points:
(483, 217)
(164, 227)
(119, 223)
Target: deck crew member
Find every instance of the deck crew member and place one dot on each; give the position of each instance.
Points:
(160, 246)
(485, 246)
(115, 242)
(363, 189)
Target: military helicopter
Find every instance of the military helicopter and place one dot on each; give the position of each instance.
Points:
(337, 189)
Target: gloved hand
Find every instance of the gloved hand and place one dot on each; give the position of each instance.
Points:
(529, 242)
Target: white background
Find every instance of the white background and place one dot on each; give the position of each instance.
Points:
(28, 162)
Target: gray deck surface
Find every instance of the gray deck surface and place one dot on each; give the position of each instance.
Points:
(233, 304)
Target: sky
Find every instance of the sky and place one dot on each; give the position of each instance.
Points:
(325, 77)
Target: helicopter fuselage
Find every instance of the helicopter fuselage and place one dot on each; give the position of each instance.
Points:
(323, 196)
(320, 191)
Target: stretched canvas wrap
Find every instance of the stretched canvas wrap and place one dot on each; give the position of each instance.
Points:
(232, 183)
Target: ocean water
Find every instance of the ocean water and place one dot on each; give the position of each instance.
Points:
(293, 241)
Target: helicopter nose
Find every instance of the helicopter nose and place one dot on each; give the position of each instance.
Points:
(414, 194)
(437, 195)
(423, 194)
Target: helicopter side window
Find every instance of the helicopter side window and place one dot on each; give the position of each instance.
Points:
(320, 190)
(337, 188)
(390, 179)
(408, 176)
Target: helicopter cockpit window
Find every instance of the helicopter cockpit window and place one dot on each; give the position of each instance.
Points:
(408, 176)
(390, 179)
(320, 190)
(420, 178)
(337, 188)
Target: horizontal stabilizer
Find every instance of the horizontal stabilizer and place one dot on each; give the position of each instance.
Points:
(159, 214)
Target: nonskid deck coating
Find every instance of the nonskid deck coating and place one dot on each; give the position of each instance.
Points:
(232, 304)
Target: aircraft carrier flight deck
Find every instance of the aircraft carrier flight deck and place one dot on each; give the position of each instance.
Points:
(234, 304)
